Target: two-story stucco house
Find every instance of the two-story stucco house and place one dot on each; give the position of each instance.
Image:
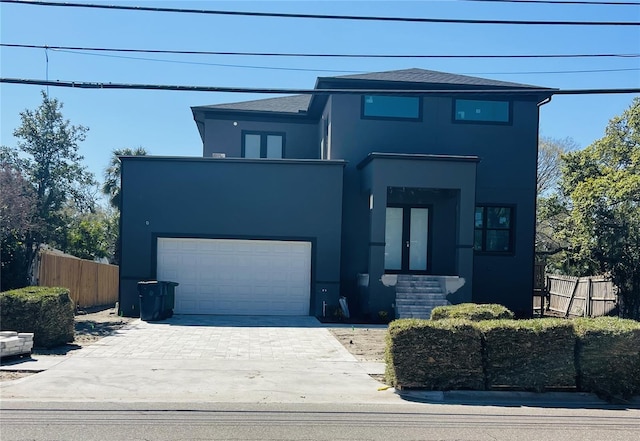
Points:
(398, 190)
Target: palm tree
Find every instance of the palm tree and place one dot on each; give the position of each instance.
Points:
(111, 186)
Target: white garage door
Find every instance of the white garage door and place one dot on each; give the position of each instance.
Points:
(242, 277)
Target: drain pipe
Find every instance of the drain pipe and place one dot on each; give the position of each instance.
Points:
(324, 308)
(545, 101)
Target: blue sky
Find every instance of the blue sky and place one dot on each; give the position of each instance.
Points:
(161, 121)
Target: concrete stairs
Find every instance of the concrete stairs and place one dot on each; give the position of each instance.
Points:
(417, 295)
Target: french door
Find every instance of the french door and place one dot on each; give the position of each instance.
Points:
(407, 239)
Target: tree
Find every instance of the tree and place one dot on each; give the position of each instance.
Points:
(550, 208)
(551, 212)
(53, 164)
(111, 186)
(47, 157)
(550, 151)
(17, 201)
(17, 208)
(602, 186)
(92, 235)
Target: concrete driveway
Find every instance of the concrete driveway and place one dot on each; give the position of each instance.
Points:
(209, 359)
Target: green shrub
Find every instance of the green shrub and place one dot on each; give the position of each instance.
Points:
(528, 354)
(436, 355)
(471, 311)
(608, 356)
(47, 312)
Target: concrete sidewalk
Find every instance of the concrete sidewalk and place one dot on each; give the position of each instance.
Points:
(207, 359)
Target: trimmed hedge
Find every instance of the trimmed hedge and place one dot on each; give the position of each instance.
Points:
(528, 354)
(47, 312)
(436, 355)
(608, 356)
(471, 311)
(600, 355)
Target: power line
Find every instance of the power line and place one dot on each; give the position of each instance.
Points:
(325, 16)
(200, 63)
(545, 72)
(301, 69)
(178, 88)
(308, 55)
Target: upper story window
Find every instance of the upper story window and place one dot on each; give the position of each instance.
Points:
(262, 145)
(494, 229)
(391, 107)
(497, 112)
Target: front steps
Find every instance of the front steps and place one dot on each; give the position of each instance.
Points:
(417, 295)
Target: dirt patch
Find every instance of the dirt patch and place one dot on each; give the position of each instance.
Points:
(90, 326)
(366, 344)
(13, 375)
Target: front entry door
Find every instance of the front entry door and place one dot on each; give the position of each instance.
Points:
(407, 239)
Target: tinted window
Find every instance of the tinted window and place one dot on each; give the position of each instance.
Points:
(251, 146)
(494, 229)
(274, 146)
(385, 106)
(476, 110)
(263, 145)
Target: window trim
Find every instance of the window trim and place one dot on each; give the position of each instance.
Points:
(391, 118)
(471, 121)
(512, 228)
(263, 143)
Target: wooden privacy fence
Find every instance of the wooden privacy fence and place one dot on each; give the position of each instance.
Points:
(539, 288)
(90, 283)
(581, 296)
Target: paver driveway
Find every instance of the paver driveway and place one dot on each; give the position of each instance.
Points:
(209, 359)
(191, 337)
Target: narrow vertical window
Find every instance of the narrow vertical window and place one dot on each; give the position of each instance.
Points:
(274, 146)
(251, 146)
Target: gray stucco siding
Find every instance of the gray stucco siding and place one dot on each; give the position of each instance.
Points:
(222, 136)
(227, 198)
(451, 203)
(506, 174)
(354, 137)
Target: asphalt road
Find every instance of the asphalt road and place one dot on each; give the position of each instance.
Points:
(412, 421)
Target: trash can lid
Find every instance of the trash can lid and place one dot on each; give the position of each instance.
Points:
(148, 282)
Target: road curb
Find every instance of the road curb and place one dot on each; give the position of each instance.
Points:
(513, 397)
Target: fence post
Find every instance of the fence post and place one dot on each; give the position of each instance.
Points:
(547, 291)
(587, 308)
(573, 294)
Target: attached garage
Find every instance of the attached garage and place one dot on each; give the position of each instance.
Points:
(237, 277)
